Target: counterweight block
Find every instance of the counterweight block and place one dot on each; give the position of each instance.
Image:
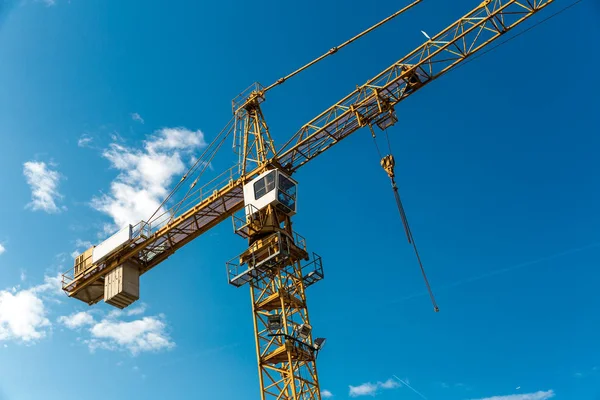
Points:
(122, 285)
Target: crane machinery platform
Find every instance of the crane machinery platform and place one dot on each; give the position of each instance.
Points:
(260, 196)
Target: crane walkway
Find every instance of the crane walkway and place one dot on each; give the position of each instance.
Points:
(153, 242)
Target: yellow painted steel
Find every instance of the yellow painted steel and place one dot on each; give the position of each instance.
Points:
(287, 371)
(374, 102)
(371, 101)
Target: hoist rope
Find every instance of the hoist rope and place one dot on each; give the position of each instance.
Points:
(388, 164)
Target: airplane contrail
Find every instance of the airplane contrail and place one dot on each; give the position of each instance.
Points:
(502, 271)
(410, 387)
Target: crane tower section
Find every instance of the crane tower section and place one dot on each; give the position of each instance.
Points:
(276, 266)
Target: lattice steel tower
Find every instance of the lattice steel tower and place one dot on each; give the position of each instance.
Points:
(277, 265)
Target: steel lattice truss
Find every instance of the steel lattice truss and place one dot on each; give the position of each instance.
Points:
(372, 102)
(287, 366)
(283, 374)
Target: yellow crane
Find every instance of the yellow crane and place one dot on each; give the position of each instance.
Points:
(260, 195)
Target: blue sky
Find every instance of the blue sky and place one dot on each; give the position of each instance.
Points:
(496, 162)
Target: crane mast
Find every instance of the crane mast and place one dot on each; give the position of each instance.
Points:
(277, 266)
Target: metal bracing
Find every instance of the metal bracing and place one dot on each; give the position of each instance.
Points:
(149, 252)
(287, 367)
(251, 132)
(272, 267)
(376, 98)
(370, 103)
(286, 357)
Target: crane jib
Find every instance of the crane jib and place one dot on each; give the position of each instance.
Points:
(372, 103)
(434, 58)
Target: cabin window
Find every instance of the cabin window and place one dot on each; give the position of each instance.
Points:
(287, 192)
(264, 185)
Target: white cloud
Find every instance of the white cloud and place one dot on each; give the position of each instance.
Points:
(2, 248)
(44, 186)
(22, 316)
(52, 285)
(372, 389)
(77, 320)
(528, 396)
(175, 139)
(326, 394)
(146, 334)
(137, 310)
(113, 333)
(145, 174)
(23, 276)
(137, 117)
(389, 384)
(80, 246)
(85, 140)
(366, 389)
(23, 312)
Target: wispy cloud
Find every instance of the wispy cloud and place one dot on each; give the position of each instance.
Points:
(145, 174)
(52, 285)
(136, 310)
(77, 320)
(2, 248)
(365, 389)
(146, 334)
(23, 312)
(326, 394)
(43, 181)
(525, 396)
(371, 389)
(80, 246)
(137, 117)
(85, 140)
(586, 373)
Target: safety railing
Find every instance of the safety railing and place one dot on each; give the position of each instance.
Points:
(145, 229)
(269, 253)
(312, 272)
(244, 219)
(241, 99)
(194, 197)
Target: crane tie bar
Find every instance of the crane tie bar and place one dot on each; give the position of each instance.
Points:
(335, 49)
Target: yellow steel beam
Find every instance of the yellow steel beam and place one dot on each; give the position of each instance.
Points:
(366, 105)
(443, 52)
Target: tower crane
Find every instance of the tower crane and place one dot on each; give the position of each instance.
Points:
(259, 194)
